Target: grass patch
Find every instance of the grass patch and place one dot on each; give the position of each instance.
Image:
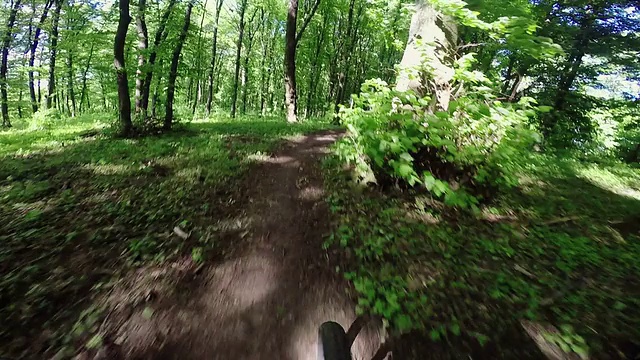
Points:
(79, 208)
(561, 249)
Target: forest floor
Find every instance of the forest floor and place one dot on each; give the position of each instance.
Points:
(201, 243)
(266, 297)
(226, 239)
(555, 259)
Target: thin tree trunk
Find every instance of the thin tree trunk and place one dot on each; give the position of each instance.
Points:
(344, 59)
(234, 94)
(570, 74)
(263, 70)
(199, 62)
(190, 90)
(20, 104)
(333, 63)
(173, 72)
(59, 100)
(83, 92)
(214, 51)
(156, 92)
(32, 55)
(290, 94)
(161, 34)
(104, 94)
(53, 48)
(218, 70)
(6, 42)
(143, 44)
(353, 40)
(313, 77)
(65, 105)
(70, 80)
(124, 101)
(245, 65)
(38, 87)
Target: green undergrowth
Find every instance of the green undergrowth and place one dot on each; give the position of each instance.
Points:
(560, 249)
(78, 207)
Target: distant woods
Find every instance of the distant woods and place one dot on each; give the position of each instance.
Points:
(158, 62)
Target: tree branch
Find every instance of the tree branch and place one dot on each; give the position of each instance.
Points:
(307, 20)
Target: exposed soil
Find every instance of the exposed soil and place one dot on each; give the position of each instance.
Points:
(266, 298)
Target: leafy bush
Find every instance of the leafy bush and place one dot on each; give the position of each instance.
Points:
(573, 127)
(629, 144)
(461, 155)
(44, 119)
(628, 134)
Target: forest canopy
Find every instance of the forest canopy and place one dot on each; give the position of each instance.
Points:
(307, 57)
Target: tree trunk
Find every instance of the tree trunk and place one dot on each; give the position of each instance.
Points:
(291, 97)
(38, 87)
(291, 44)
(143, 44)
(198, 85)
(570, 73)
(83, 92)
(348, 84)
(6, 42)
(245, 65)
(173, 72)
(234, 94)
(103, 92)
(59, 98)
(53, 48)
(32, 55)
(70, 80)
(263, 70)
(214, 51)
(161, 35)
(433, 28)
(124, 101)
(20, 104)
(315, 72)
(345, 56)
(190, 90)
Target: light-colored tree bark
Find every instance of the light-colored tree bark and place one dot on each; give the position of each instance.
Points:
(427, 63)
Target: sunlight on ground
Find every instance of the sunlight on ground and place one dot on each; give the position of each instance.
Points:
(628, 186)
(265, 158)
(311, 193)
(108, 169)
(251, 279)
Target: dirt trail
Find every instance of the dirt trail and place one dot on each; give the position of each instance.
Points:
(268, 300)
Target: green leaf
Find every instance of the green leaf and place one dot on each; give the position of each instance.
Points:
(147, 313)
(619, 306)
(404, 170)
(95, 342)
(404, 323)
(406, 157)
(455, 329)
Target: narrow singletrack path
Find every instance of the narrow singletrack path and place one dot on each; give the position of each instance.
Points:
(268, 299)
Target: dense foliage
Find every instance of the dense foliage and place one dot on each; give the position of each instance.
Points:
(487, 177)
